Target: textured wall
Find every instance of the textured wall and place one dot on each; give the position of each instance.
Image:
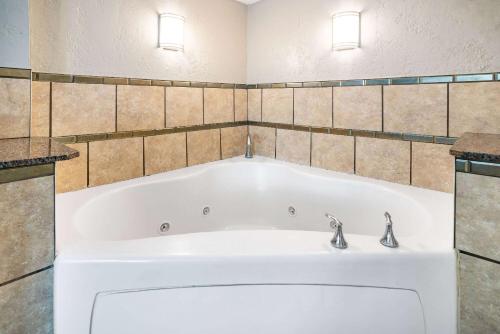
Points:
(14, 34)
(290, 40)
(119, 38)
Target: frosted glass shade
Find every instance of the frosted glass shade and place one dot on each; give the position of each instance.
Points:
(345, 30)
(171, 35)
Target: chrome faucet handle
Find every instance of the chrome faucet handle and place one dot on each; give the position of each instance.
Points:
(389, 240)
(338, 240)
(249, 148)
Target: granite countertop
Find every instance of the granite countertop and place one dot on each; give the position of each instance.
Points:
(477, 146)
(19, 152)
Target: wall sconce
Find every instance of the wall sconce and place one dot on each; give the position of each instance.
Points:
(345, 30)
(171, 34)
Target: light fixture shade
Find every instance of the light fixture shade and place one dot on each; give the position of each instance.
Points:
(345, 30)
(171, 35)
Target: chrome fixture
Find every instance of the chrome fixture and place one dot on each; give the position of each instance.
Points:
(389, 240)
(248, 149)
(164, 227)
(338, 240)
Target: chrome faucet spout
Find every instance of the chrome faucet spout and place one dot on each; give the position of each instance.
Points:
(249, 148)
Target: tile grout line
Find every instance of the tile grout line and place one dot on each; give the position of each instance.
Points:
(143, 156)
(382, 107)
(333, 114)
(116, 108)
(88, 164)
(13, 280)
(261, 103)
(275, 143)
(186, 148)
(50, 109)
(354, 152)
(411, 162)
(165, 106)
(447, 110)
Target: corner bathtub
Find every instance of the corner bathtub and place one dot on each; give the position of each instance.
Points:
(249, 266)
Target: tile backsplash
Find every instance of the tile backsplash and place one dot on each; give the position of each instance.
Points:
(397, 130)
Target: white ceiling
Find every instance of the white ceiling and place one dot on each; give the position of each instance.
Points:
(248, 2)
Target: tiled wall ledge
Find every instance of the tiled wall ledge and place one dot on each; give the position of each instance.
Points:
(481, 77)
(394, 159)
(361, 133)
(85, 79)
(144, 133)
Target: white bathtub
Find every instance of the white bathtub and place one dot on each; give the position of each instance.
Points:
(249, 266)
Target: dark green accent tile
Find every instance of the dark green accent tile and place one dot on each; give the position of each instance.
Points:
(55, 77)
(144, 133)
(23, 173)
(181, 83)
(320, 130)
(419, 138)
(363, 133)
(330, 83)
(18, 73)
(445, 140)
(87, 79)
(164, 83)
(376, 82)
(115, 81)
(343, 132)
(120, 135)
(91, 137)
(66, 139)
(251, 86)
(473, 77)
(264, 86)
(199, 84)
(348, 83)
(227, 86)
(284, 126)
(302, 128)
(436, 79)
(294, 84)
(214, 85)
(485, 168)
(278, 85)
(404, 81)
(498, 76)
(312, 84)
(389, 135)
(139, 82)
(462, 166)
(240, 86)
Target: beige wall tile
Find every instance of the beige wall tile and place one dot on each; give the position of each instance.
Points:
(40, 109)
(240, 105)
(82, 108)
(255, 105)
(358, 108)
(277, 105)
(26, 226)
(26, 305)
(219, 106)
(14, 108)
(263, 140)
(184, 106)
(474, 107)
(313, 106)
(293, 146)
(479, 293)
(203, 146)
(433, 167)
(333, 152)
(165, 152)
(383, 159)
(115, 160)
(420, 109)
(140, 108)
(233, 141)
(478, 215)
(71, 175)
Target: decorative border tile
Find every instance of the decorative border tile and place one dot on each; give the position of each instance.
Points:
(15, 73)
(473, 77)
(360, 133)
(477, 167)
(23, 173)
